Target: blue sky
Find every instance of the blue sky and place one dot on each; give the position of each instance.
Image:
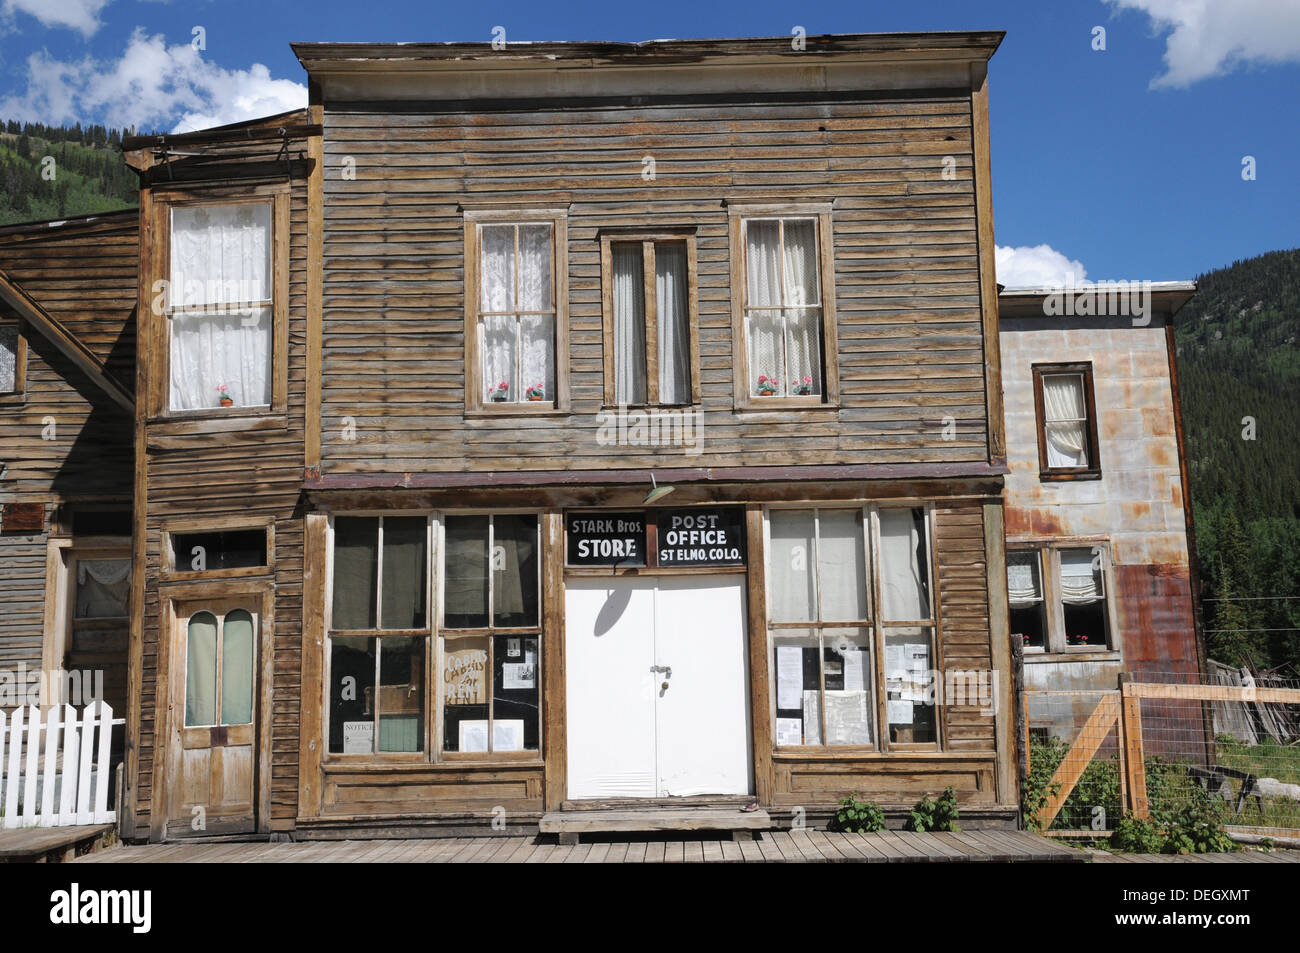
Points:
(1126, 161)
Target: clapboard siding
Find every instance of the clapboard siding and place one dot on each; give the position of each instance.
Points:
(910, 340)
(253, 473)
(22, 608)
(964, 617)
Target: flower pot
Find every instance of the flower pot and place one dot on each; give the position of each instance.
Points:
(536, 398)
(227, 402)
(499, 399)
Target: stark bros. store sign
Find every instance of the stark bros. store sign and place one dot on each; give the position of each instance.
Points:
(667, 539)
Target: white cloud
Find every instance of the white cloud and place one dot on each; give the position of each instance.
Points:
(1035, 266)
(80, 15)
(152, 85)
(1212, 37)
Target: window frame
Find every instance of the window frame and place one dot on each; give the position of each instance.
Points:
(159, 364)
(1049, 562)
(1092, 471)
(648, 240)
(181, 527)
(474, 219)
(876, 626)
(435, 651)
(738, 216)
(19, 394)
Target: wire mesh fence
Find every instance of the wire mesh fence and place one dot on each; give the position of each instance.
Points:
(1167, 746)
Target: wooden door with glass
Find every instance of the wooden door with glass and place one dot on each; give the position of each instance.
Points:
(215, 693)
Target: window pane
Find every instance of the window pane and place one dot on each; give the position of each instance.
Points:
(220, 254)
(537, 357)
(673, 314)
(405, 572)
(842, 566)
(8, 359)
(904, 565)
(1024, 582)
(225, 549)
(201, 670)
(909, 682)
(1081, 579)
(497, 268)
(500, 355)
(791, 584)
(535, 268)
(356, 565)
(103, 588)
(1066, 423)
(803, 352)
(798, 687)
(464, 693)
(629, 323)
(1086, 624)
(849, 680)
(515, 681)
(514, 565)
(401, 693)
(763, 263)
(465, 572)
(764, 331)
(227, 354)
(1029, 621)
(237, 668)
(801, 284)
(352, 689)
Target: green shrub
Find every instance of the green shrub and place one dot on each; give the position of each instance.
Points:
(940, 815)
(1137, 836)
(854, 816)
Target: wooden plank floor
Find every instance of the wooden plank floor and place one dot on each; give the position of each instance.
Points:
(772, 847)
(25, 842)
(1237, 857)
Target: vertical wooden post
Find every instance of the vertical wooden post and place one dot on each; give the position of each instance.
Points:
(311, 739)
(1134, 755)
(1018, 707)
(759, 695)
(556, 758)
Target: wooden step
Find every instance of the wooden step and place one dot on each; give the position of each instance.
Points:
(569, 824)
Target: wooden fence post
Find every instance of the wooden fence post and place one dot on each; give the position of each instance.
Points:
(1134, 758)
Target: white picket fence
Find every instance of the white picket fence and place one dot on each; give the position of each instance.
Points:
(73, 759)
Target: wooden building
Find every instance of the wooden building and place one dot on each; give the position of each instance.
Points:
(1099, 548)
(524, 431)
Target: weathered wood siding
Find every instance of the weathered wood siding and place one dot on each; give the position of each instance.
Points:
(906, 273)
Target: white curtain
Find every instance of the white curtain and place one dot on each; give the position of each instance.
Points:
(673, 318)
(841, 566)
(901, 574)
(629, 324)
(8, 360)
(1022, 578)
(1080, 577)
(515, 275)
(220, 255)
(764, 327)
(785, 344)
(790, 580)
(103, 588)
(201, 670)
(237, 668)
(803, 322)
(1064, 408)
(212, 351)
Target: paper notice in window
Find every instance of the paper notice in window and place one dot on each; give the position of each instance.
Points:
(358, 737)
(473, 735)
(789, 731)
(508, 734)
(895, 661)
(518, 675)
(789, 676)
(512, 648)
(900, 712)
(847, 718)
(855, 679)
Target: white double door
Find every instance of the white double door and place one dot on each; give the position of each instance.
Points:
(657, 686)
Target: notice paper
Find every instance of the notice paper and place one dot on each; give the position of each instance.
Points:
(473, 735)
(358, 737)
(789, 676)
(854, 669)
(900, 712)
(518, 675)
(789, 731)
(507, 734)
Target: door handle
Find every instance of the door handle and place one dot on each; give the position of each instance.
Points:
(667, 670)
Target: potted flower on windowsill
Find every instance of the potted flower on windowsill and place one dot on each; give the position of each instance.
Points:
(500, 393)
(766, 386)
(801, 388)
(224, 398)
(535, 393)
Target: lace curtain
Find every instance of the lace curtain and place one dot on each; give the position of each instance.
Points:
(1022, 578)
(784, 313)
(220, 263)
(1066, 418)
(103, 588)
(1080, 577)
(518, 350)
(673, 318)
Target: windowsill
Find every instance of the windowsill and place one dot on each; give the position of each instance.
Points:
(1054, 476)
(538, 408)
(187, 575)
(1073, 654)
(415, 763)
(760, 405)
(218, 421)
(618, 407)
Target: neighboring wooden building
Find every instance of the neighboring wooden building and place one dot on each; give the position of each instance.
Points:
(67, 355)
(1099, 549)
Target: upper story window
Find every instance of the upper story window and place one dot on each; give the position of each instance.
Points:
(651, 344)
(516, 335)
(1067, 421)
(219, 306)
(13, 361)
(783, 309)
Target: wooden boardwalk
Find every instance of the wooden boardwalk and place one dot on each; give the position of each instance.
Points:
(27, 844)
(778, 847)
